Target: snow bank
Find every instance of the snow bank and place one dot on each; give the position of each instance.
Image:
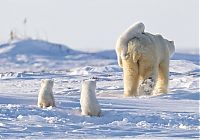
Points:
(35, 47)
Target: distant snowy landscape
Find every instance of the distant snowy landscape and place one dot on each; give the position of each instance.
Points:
(24, 63)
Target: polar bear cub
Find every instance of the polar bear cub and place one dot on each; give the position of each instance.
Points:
(125, 37)
(88, 101)
(45, 97)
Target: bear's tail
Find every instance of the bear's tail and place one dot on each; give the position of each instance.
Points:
(135, 48)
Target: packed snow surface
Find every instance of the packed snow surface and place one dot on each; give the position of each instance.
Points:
(25, 63)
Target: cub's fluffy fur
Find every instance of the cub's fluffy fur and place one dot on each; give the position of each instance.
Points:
(88, 101)
(45, 97)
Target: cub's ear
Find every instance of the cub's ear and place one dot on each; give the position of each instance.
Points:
(42, 81)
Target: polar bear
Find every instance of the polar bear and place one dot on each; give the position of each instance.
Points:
(125, 37)
(45, 96)
(88, 101)
(146, 64)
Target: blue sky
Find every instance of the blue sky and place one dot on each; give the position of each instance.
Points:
(93, 25)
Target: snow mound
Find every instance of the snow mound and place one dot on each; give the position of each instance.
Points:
(88, 70)
(28, 75)
(34, 47)
(178, 66)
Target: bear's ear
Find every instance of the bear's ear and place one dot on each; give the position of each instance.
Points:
(172, 42)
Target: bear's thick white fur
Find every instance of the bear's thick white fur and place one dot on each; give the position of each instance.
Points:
(146, 65)
(45, 96)
(88, 101)
(125, 37)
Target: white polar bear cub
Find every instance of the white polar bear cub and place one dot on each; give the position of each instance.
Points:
(125, 37)
(45, 97)
(88, 101)
(146, 63)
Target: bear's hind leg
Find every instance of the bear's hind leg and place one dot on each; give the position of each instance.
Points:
(130, 70)
(40, 105)
(84, 113)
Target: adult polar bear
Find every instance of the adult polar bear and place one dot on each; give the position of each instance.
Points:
(145, 61)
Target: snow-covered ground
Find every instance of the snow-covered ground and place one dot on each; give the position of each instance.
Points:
(25, 63)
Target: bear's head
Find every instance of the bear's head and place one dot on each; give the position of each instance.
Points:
(171, 48)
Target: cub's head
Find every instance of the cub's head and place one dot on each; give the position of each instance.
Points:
(89, 84)
(47, 83)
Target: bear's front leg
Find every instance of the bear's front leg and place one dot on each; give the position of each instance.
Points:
(147, 77)
(130, 71)
(146, 86)
(163, 78)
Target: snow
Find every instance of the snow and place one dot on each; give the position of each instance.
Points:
(170, 116)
